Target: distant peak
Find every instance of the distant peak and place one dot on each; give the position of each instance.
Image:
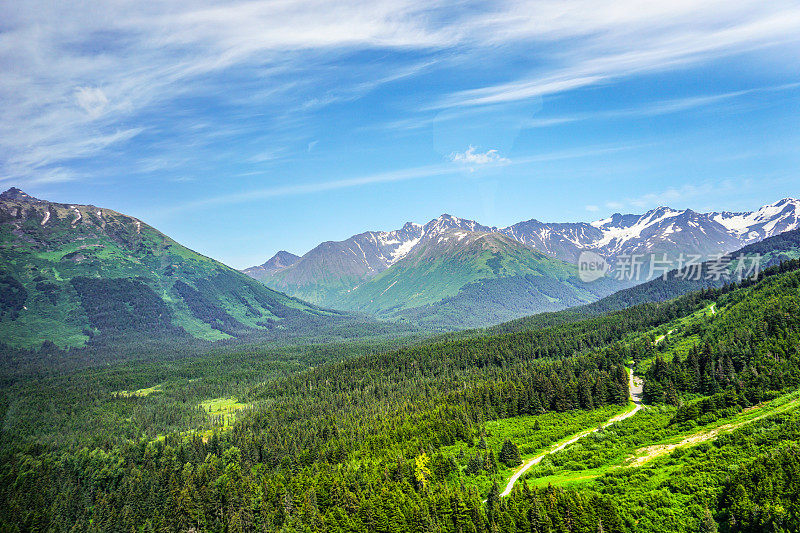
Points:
(280, 260)
(663, 209)
(284, 253)
(785, 201)
(15, 194)
(410, 225)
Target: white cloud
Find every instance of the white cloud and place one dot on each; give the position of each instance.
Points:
(610, 40)
(651, 109)
(56, 57)
(74, 75)
(92, 100)
(472, 157)
(592, 208)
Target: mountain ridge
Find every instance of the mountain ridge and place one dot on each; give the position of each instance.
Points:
(770, 253)
(455, 278)
(72, 273)
(334, 268)
(282, 259)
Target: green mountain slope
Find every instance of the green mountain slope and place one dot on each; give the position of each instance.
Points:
(72, 272)
(497, 300)
(423, 429)
(460, 278)
(772, 251)
(327, 274)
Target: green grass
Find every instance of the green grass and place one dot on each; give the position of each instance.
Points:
(139, 392)
(677, 338)
(553, 428)
(226, 408)
(597, 453)
(643, 439)
(671, 492)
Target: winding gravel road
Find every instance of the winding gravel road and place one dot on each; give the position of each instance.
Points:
(635, 386)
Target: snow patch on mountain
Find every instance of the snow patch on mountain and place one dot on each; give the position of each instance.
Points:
(403, 248)
(616, 237)
(661, 230)
(765, 222)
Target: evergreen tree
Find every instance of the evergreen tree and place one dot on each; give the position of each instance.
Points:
(707, 523)
(509, 454)
(493, 502)
(475, 465)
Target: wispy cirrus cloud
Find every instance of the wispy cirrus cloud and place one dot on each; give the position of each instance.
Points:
(659, 107)
(684, 193)
(406, 174)
(268, 155)
(428, 171)
(634, 37)
(92, 99)
(74, 74)
(79, 79)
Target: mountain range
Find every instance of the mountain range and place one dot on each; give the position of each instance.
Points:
(449, 272)
(755, 258)
(70, 273)
(405, 272)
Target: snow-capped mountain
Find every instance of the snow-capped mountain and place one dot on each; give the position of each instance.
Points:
(336, 266)
(462, 278)
(768, 221)
(661, 230)
(345, 265)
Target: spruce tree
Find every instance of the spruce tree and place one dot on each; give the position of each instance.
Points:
(509, 454)
(707, 524)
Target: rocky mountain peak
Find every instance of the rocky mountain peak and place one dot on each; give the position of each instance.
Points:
(15, 194)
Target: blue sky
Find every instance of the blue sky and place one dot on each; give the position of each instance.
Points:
(249, 127)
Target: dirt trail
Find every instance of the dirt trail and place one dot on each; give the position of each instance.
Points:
(648, 453)
(635, 386)
(662, 337)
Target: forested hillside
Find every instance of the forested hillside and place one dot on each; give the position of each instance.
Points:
(236, 340)
(769, 252)
(71, 274)
(412, 440)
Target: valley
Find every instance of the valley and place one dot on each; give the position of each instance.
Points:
(587, 413)
(314, 266)
(450, 285)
